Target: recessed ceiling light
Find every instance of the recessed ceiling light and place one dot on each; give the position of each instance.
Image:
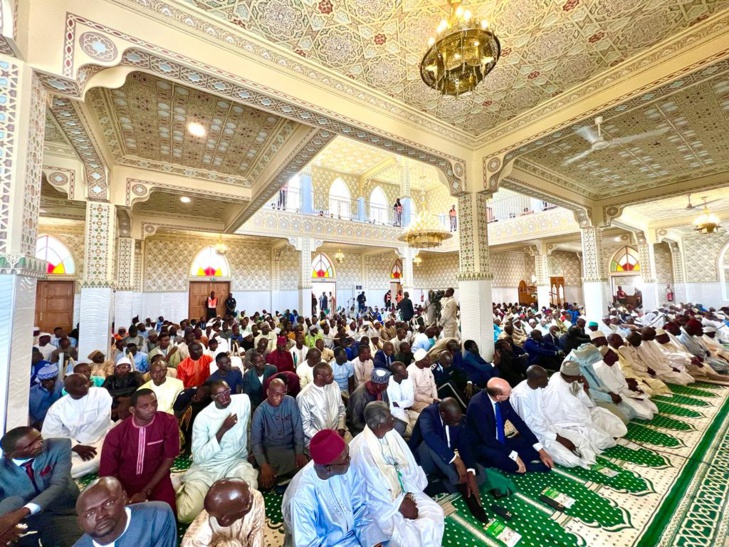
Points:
(196, 129)
(185, 199)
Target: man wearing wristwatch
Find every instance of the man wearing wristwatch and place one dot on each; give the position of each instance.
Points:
(140, 451)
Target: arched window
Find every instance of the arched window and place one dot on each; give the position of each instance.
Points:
(396, 272)
(724, 272)
(339, 199)
(625, 260)
(60, 261)
(321, 267)
(378, 206)
(208, 263)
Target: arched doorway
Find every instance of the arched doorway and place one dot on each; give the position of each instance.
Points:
(396, 275)
(625, 273)
(54, 295)
(340, 200)
(323, 285)
(378, 206)
(209, 271)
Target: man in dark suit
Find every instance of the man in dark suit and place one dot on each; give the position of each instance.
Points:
(441, 447)
(488, 411)
(36, 488)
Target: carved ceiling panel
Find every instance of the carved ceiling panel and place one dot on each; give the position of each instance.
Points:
(693, 144)
(145, 122)
(548, 45)
(165, 204)
(676, 208)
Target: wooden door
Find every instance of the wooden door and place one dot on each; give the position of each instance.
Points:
(199, 292)
(54, 305)
(556, 290)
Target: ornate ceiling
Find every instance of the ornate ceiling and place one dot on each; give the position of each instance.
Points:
(145, 123)
(167, 204)
(674, 209)
(548, 45)
(695, 120)
(353, 158)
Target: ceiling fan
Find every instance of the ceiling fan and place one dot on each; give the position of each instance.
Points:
(691, 206)
(598, 141)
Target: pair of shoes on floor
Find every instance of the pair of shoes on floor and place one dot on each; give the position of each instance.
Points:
(473, 505)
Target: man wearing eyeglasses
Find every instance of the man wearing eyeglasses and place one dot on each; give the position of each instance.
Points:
(36, 489)
(219, 449)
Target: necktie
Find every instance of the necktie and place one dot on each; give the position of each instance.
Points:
(31, 474)
(499, 424)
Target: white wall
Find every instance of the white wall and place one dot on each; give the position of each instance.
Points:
(573, 293)
(505, 294)
(708, 294)
(171, 305)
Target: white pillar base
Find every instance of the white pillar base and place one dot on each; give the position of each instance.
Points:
(543, 299)
(305, 302)
(17, 316)
(123, 309)
(650, 296)
(97, 307)
(680, 294)
(477, 321)
(596, 294)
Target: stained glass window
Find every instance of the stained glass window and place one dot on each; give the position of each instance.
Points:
(321, 268)
(625, 260)
(396, 270)
(208, 263)
(60, 261)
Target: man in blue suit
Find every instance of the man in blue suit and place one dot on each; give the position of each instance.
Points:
(36, 488)
(488, 411)
(441, 447)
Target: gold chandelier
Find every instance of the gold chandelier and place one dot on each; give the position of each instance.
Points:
(463, 53)
(417, 260)
(339, 256)
(220, 247)
(707, 223)
(425, 231)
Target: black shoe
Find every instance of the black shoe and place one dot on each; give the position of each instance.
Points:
(473, 506)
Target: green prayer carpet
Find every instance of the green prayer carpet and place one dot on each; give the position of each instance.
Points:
(665, 484)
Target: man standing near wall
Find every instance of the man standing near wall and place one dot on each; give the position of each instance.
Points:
(449, 315)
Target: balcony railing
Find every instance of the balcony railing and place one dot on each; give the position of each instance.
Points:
(514, 207)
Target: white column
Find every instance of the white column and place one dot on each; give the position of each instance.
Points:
(97, 289)
(475, 276)
(124, 296)
(276, 279)
(407, 254)
(541, 272)
(22, 125)
(304, 246)
(648, 273)
(594, 284)
(679, 277)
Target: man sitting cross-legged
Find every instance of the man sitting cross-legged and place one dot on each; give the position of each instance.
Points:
(107, 520)
(325, 504)
(234, 515)
(219, 449)
(395, 482)
(277, 438)
(84, 417)
(36, 489)
(488, 411)
(141, 449)
(320, 404)
(442, 447)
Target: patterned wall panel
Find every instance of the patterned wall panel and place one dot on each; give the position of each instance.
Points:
(702, 255)
(438, 271)
(439, 200)
(510, 268)
(167, 262)
(567, 265)
(322, 179)
(34, 166)
(664, 265)
(289, 269)
(349, 272)
(378, 269)
(138, 252)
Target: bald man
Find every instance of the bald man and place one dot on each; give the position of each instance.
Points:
(234, 515)
(106, 520)
(487, 413)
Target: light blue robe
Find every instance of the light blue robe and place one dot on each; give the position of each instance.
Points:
(328, 513)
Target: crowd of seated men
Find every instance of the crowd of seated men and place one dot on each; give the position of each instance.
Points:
(358, 421)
